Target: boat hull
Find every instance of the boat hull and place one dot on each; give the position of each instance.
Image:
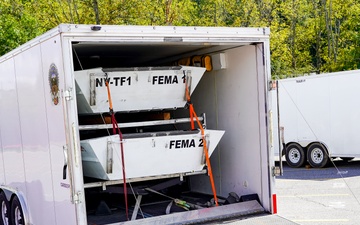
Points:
(147, 155)
(164, 88)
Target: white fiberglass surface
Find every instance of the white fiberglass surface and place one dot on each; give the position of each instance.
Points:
(314, 109)
(128, 88)
(322, 108)
(54, 105)
(34, 134)
(288, 109)
(13, 166)
(2, 171)
(344, 113)
(297, 115)
(163, 155)
(231, 99)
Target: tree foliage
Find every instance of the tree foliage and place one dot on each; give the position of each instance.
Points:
(307, 36)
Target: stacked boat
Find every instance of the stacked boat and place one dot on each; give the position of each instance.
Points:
(147, 155)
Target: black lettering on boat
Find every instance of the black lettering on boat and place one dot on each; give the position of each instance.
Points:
(184, 143)
(165, 79)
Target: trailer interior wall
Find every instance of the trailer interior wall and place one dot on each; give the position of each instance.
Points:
(235, 103)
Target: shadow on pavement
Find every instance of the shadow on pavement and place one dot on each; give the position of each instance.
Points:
(336, 169)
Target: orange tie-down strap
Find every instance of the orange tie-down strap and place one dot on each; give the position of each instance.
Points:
(206, 152)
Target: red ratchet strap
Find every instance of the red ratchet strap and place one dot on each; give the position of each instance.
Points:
(116, 129)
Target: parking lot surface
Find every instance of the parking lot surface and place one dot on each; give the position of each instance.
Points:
(324, 196)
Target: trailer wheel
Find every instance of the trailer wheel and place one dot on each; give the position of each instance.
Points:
(17, 215)
(295, 155)
(4, 204)
(317, 155)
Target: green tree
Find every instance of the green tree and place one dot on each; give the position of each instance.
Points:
(342, 27)
(17, 25)
(306, 35)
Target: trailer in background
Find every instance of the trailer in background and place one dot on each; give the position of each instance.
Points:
(98, 126)
(320, 117)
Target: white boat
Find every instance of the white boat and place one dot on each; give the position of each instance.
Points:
(164, 87)
(147, 155)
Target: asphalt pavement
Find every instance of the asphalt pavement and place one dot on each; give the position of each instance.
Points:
(322, 196)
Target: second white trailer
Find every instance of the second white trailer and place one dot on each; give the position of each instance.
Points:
(320, 116)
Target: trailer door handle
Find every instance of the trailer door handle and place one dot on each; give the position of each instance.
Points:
(65, 161)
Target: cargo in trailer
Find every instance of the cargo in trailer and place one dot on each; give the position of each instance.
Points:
(136, 124)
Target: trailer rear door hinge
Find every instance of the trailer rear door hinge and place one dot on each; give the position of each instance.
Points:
(275, 171)
(76, 197)
(272, 85)
(68, 95)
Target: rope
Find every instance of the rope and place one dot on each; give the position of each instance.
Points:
(206, 152)
(116, 129)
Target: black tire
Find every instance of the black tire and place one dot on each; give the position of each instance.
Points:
(17, 215)
(317, 155)
(295, 155)
(4, 210)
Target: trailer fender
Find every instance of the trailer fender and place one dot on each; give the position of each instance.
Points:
(316, 142)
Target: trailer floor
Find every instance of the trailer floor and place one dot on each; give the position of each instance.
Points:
(108, 208)
(250, 212)
(119, 214)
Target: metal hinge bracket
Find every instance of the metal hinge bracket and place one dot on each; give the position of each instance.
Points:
(68, 95)
(76, 197)
(275, 171)
(272, 85)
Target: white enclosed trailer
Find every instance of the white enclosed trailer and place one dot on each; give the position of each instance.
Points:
(60, 162)
(319, 117)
